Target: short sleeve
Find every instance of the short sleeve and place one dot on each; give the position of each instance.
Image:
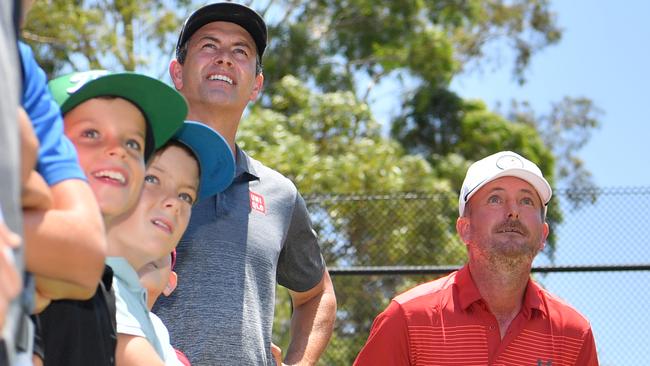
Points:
(127, 323)
(388, 342)
(57, 156)
(300, 265)
(588, 355)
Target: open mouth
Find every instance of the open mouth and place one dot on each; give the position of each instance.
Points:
(110, 176)
(511, 230)
(220, 77)
(165, 226)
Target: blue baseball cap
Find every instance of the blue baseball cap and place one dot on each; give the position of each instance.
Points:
(216, 161)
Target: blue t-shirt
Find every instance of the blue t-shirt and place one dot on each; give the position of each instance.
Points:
(57, 157)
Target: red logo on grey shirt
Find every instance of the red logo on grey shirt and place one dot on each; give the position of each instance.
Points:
(257, 202)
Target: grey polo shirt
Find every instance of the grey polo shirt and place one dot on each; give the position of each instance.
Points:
(238, 245)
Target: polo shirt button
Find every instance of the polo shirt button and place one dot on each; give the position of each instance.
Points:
(491, 327)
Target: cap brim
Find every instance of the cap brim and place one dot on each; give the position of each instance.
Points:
(163, 107)
(215, 157)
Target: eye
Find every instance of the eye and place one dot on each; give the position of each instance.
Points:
(527, 201)
(151, 179)
(134, 145)
(209, 45)
(240, 51)
(494, 199)
(186, 197)
(90, 133)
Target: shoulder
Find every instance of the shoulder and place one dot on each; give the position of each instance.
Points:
(426, 292)
(269, 175)
(271, 184)
(563, 314)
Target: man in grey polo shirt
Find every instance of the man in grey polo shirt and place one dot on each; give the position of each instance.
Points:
(240, 242)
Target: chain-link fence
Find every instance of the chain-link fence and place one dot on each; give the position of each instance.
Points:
(379, 245)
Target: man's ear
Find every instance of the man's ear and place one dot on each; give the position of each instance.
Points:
(172, 281)
(176, 73)
(462, 227)
(257, 88)
(545, 232)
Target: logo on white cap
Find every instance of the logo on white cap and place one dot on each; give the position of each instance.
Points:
(509, 162)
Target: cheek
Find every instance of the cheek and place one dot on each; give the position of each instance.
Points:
(85, 159)
(137, 173)
(184, 219)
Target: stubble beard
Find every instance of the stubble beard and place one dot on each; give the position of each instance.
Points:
(509, 252)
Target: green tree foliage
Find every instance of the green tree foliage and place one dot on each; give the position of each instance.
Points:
(105, 34)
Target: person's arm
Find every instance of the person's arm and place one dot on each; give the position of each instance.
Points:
(48, 289)
(314, 312)
(36, 194)
(67, 243)
(28, 145)
(135, 351)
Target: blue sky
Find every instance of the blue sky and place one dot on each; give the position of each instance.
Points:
(604, 55)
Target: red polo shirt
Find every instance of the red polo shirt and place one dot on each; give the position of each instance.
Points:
(446, 322)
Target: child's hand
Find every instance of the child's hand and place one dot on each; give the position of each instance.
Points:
(11, 283)
(36, 193)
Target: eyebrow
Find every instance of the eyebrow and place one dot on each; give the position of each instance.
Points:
(524, 190)
(242, 42)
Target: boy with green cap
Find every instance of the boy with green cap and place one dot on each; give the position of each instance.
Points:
(115, 122)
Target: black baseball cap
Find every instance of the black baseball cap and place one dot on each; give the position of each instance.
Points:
(241, 15)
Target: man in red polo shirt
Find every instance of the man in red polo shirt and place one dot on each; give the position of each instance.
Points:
(489, 312)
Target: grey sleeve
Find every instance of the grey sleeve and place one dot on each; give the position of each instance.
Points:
(300, 265)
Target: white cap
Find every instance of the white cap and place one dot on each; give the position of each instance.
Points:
(503, 164)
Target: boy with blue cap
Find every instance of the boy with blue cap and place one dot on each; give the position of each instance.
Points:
(196, 164)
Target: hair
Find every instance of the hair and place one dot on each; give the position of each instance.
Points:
(183, 147)
(181, 54)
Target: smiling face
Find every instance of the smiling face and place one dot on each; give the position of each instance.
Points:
(109, 135)
(503, 221)
(219, 69)
(154, 227)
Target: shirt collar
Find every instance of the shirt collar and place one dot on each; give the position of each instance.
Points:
(467, 290)
(468, 293)
(533, 299)
(244, 171)
(123, 270)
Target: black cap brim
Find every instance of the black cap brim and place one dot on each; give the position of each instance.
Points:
(241, 15)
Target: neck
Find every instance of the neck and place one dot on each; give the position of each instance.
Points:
(502, 289)
(221, 119)
(118, 249)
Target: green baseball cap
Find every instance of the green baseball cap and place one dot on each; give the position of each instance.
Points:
(163, 107)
